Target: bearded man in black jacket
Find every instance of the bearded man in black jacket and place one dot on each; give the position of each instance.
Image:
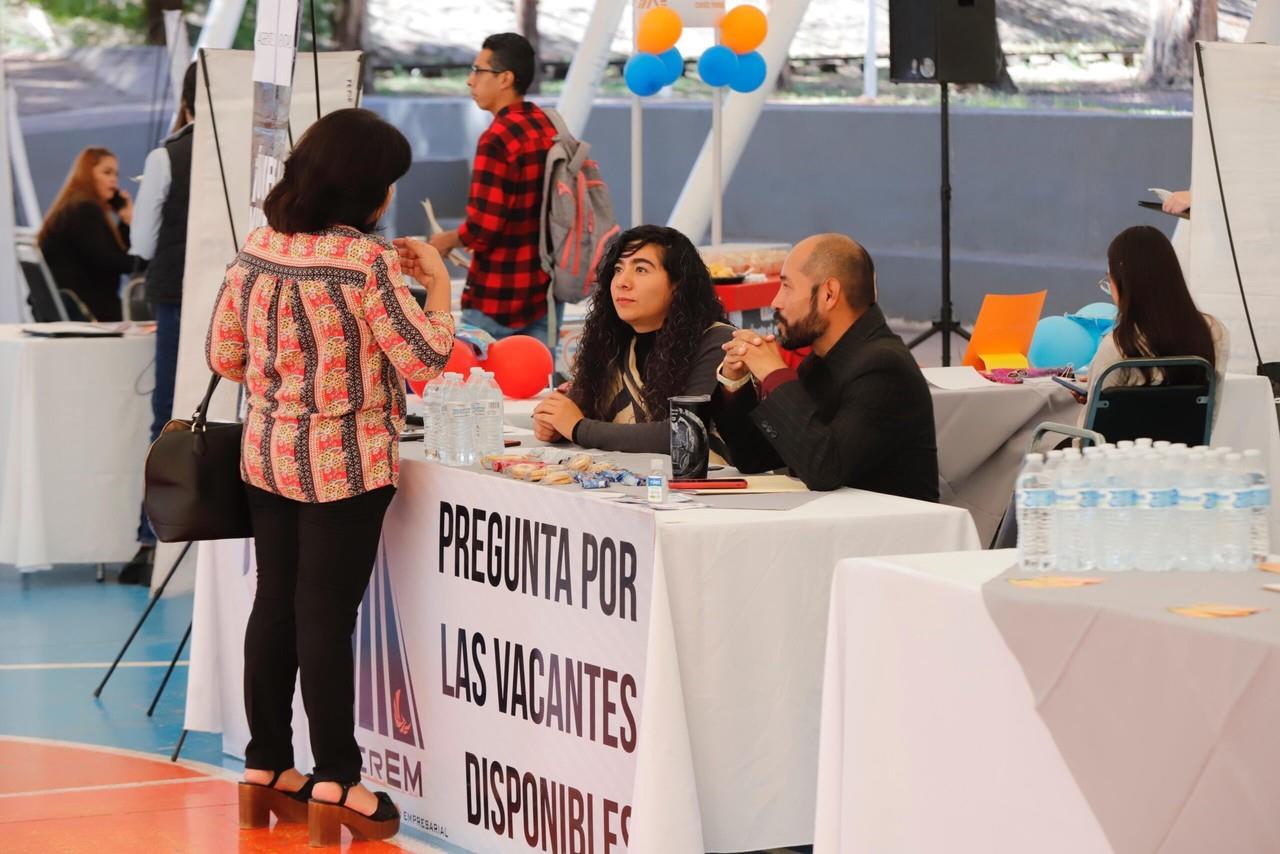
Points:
(857, 412)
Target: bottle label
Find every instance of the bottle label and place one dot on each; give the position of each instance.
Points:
(1067, 499)
(1161, 499)
(1090, 498)
(1239, 499)
(1191, 499)
(1211, 499)
(1035, 498)
(1261, 496)
(1121, 499)
(1142, 499)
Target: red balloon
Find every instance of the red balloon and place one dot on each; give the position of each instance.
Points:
(521, 364)
(461, 361)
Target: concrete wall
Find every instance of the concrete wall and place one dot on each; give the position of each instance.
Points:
(1037, 195)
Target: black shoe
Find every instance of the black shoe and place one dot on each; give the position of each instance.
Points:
(138, 570)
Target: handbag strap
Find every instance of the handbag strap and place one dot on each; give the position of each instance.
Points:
(201, 415)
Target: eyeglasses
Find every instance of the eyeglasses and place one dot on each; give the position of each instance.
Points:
(475, 69)
(1104, 285)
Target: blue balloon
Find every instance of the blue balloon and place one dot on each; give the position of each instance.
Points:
(1103, 310)
(644, 74)
(674, 63)
(752, 71)
(718, 65)
(1097, 318)
(1058, 342)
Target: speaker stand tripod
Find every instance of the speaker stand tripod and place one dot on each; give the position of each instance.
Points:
(946, 325)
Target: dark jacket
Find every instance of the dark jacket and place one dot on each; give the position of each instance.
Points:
(164, 273)
(84, 257)
(861, 416)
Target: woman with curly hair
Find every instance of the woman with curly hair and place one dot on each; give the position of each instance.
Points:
(654, 331)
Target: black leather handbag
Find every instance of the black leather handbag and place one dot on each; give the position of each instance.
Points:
(193, 486)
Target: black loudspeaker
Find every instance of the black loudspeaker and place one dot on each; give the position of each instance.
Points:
(943, 41)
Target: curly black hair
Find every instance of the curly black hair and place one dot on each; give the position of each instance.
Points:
(606, 337)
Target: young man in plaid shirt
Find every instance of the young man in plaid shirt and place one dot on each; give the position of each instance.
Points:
(506, 292)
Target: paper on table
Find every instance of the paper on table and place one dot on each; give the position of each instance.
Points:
(1006, 324)
(509, 430)
(956, 378)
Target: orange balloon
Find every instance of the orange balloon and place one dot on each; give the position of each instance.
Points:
(743, 29)
(659, 30)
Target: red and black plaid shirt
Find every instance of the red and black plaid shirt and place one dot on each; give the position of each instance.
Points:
(506, 280)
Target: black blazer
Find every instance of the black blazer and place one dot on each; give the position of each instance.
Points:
(860, 417)
(84, 257)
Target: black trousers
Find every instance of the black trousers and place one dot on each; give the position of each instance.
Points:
(314, 563)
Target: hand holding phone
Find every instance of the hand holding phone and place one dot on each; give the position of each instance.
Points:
(1078, 390)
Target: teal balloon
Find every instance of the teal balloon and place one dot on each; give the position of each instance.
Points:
(674, 63)
(644, 74)
(718, 65)
(751, 72)
(1060, 341)
(1103, 310)
(1097, 318)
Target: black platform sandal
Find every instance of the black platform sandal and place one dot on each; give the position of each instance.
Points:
(325, 819)
(259, 800)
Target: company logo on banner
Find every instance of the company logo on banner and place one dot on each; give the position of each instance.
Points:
(500, 662)
(386, 702)
(693, 13)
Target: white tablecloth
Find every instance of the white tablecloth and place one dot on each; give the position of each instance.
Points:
(733, 672)
(930, 737)
(983, 434)
(74, 421)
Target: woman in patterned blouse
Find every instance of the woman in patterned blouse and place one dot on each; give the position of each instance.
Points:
(315, 318)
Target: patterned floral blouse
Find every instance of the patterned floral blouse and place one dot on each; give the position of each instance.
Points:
(317, 326)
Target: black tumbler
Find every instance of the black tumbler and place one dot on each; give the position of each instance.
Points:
(690, 426)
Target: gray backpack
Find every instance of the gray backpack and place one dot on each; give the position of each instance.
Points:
(577, 215)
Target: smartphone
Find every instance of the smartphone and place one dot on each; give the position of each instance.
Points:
(116, 201)
(1070, 386)
(710, 483)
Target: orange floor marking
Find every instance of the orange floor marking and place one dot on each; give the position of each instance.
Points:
(29, 767)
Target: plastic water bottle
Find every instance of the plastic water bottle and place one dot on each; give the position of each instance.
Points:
(1197, 499)
(1154, 511)
(432, 416)
(1068, 539)
(1052, 463)
(656, 482)
(487, 410)
(1091, 496)
(1116, 510)
(457, 427)
(1259, 507)
(1034, 503)
(1235, 515)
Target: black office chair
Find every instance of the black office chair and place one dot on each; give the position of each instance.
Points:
(1006, 536)
(1181, 412)
(48, 302)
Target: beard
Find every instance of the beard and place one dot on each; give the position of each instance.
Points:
(803, 332)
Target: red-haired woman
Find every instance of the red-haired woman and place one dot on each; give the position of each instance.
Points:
(85, 235)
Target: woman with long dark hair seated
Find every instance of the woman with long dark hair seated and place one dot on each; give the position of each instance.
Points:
(85, 236)
(315, 318)
(654, 331)
(1157, 316)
